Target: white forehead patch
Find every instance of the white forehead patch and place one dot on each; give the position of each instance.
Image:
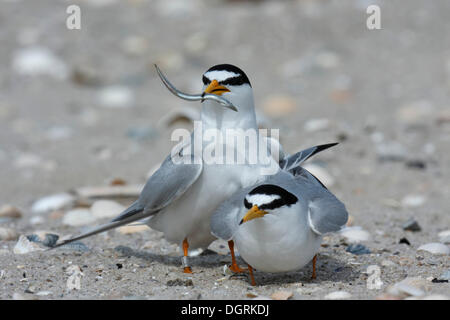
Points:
(220, 75)
(260, 199)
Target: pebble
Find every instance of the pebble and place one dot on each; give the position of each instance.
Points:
(106, 209)
(314, 125)
(405, 241)
(54, 202)
(86, 75)
(355, 234)
(435, 248)
(135, 45)
(59, 133)
(279, 106)
(180, 282)
(320, 173)
(388, 263)
(7, 234)
(78, 217)
(281, 295)
(116, 97)
(391, 151)
(413, 286)
(36, 60)
(133, 229)
(47, 239)
(338, 295)
(411, 225)
(9, 211)
(444, 236)
(445, 275)
(24, 246)
(412, 201)
(357, 249)
(37, 220)
(415, 113)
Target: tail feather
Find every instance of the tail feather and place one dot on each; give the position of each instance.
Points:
(132, 214)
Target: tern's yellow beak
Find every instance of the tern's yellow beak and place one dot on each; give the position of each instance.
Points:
(253, 213)
(215, 88)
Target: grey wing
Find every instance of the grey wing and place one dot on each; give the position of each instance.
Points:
(326, 213)
(167, 184)
(225, 220)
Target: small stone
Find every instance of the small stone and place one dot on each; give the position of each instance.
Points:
(54, 202)
(24, 246)
(391, 151)
(416, 164)
(338, 295)
(411, 225)
(435, 248)
(180, 282)
(388, 263)
(106, 209)
(251, 295)
(357, 249)
(59, 133)
(444, 236)
(320, 173)
(135, 45)
(34, 61)
(78, 217)
(282, 295)
(36, 220)
(50, 240)
(415, 113)
(405, 241)
(8, 211)
(279, 106)
(43, 293)
(314, 125)
(355, 234)
(413, 201)
(133, 229)
(7, 234)
(116, 97)
(86, 75)
(414, 286)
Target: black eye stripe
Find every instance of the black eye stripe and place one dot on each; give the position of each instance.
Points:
(247, 204)
(206, 81)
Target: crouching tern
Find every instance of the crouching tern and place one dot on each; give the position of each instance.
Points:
(277, 225)
(180, 197)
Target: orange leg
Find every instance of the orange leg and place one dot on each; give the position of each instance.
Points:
(314, 267)
(187, 269)
(252, 278)
(234, 266)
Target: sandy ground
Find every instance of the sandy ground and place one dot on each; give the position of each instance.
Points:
(377, 89)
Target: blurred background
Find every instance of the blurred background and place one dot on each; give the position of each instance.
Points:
(85, 107)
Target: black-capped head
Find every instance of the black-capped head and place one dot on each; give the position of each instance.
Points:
(269, 197)
(226, 75)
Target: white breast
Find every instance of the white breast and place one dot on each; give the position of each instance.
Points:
(278, 242)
